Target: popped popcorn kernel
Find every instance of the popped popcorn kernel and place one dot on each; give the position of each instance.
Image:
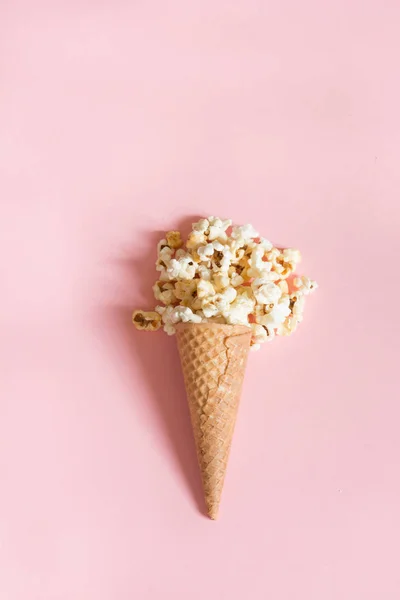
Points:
(305, 284)
(185, 289)
(146, 320)
(205, 288)
(164, 291)
(195, 239)
(201, 226)
(174, 239)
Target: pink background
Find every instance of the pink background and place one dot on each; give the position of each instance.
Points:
(119, 119)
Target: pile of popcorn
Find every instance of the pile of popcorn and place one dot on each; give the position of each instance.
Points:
(225, 274)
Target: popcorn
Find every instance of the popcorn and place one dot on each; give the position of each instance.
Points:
(166, 316)
(185, 289)
(172, 315)
(209, 309)
(164, 291)
(290, 255)
(181, 268)
(184, 314)
(201, 226)
(174, 239)
(285, 261)
(236, 279)
(283, 285)
(195, 239)
(217, 229)
(239, 311)
(219, 303)
(222, 258)
(232, 278)
(163, 247)
(227, 296)
(266, 292)
(147, 321)
(305, 284)
(244, 232)
(204, 272)
(205, 252)
(288, 326)
(260, 335)
(265, 244)
(164, 253)
(221, 281)
(259, 267)
(205, 288)
(296, 305)
(277, 314)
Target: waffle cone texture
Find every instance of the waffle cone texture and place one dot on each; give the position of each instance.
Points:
(213, 359)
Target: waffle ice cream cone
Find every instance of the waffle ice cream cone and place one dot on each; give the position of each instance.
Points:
(213, 359)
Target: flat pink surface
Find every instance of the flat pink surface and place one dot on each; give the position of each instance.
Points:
(119, 119)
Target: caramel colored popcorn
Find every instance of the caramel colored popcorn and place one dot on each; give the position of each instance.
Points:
(174, 239)
(147, 321)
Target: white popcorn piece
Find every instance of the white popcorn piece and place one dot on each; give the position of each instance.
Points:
(205, 288)
(182, 268)
(225, 298)
(283, 286)
(217, 229)
(201, 226)
(277, 315)
(288, 327)
(209, 309)
(205, 252)
(226, 259)
(258, 266)
(273, 254)
(244, 232)
(236, 280)
(297, 302)
(266, 244)
(180, 253)
(266, 292)
(261, 334)
(237, 253)
(217, 234)
(291, 255)
(220, 281)
(195, 239)
(184, 314)
(305, 285)
(218, 246)
(220, 223)
(239, 311)
(204, 272)
(161, 245)
(219, 303)
(164, 256)
(166, 312)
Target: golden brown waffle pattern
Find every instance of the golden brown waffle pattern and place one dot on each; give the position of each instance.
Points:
(213, 359)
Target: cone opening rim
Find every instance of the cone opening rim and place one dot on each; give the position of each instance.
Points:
(244, 328)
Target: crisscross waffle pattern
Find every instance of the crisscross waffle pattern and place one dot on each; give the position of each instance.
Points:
(213, 359)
